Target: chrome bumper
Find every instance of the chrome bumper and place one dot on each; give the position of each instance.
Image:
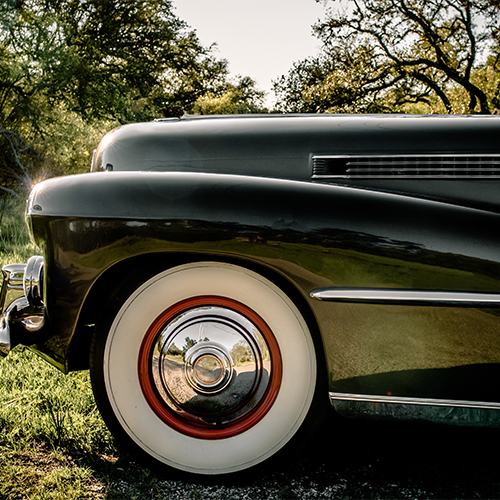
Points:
(21, 302)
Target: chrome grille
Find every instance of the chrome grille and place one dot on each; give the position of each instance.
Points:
(406, 166)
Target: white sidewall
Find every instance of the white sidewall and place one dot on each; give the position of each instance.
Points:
(195, 455)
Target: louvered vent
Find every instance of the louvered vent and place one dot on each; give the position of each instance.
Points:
(409, 166)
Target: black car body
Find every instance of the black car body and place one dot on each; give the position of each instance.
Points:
(377, 235)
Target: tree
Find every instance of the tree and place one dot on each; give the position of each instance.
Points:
(15, 161)
(242, 353)
(240, 98)
(189, 344)
(384, 55)
(106, 59)
(330, 82)
(86, 65)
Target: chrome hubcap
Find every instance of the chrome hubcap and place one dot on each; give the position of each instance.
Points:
(209, 365)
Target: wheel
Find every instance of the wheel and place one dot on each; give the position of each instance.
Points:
(207, 367)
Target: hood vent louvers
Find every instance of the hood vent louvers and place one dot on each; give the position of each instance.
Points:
(406, 166)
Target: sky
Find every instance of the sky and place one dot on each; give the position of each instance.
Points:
(259, 38)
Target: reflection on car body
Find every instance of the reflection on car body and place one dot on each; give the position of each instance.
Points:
(256, 268)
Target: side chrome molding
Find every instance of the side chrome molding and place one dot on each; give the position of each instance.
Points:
(407, 297)
(366, 398)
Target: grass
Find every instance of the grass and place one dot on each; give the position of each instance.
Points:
(37, 401)
(15, 245)
(54, 444)
(51, 434)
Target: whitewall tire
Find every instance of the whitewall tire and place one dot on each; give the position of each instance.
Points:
(207, 367)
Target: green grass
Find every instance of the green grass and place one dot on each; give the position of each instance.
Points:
(53, 441)
(39, 402)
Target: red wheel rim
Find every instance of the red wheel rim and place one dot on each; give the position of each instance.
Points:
(225, 383)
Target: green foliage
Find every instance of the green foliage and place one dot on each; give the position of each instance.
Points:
(241, 353)
(240, 98)
(185, 348)
(37, 473)
(398, 55)
(69, 142)
(98, 58)
(72, 70)
(15, 244)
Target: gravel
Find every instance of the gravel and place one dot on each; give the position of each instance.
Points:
(358, 459)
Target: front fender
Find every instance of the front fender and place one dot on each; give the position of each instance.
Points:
(316, 235)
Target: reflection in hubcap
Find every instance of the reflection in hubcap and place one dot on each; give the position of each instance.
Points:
(207, 370)
(210, 367)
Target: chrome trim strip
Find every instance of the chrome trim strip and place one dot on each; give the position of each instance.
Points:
(434, 177)
(367, 398)
(407, 297)
(414, 155)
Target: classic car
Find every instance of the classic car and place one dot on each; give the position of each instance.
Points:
(228, 280)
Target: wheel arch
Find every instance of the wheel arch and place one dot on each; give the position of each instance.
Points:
(152, 264)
